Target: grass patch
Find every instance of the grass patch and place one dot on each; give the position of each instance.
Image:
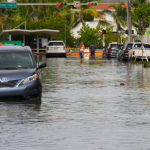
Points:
(144, 63)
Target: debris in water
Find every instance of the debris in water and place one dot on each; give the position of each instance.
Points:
(122, 84)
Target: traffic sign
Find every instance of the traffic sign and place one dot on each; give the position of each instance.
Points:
(8, 5)
(148, 32)
(76, 3)
(121, 31)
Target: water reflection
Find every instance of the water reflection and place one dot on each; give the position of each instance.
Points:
(18, 113)
(83, 107)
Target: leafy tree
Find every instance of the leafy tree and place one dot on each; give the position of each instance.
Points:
(113, 37)
(49, 22)
(87, 35)
(136, 3)
(79, 15)
(119, 15)
(141, 17)
(90, 35)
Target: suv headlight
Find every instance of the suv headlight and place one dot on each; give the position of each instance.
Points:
(27, 80)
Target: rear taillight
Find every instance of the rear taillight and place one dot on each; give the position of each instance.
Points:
(110, 49)
(133, 52)
(46, 48)
(64, 47)
(126, 51)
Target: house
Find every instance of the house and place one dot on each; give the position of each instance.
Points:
(100, 7)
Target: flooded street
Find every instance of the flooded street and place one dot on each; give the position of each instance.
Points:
(83, 107)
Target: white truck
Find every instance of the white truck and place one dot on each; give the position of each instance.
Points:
(140, 51)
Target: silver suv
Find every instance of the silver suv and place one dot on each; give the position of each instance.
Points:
(112, 49)
(123, 53)
(55, 49)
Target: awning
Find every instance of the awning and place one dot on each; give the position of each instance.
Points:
(21, 31)
(25, 32)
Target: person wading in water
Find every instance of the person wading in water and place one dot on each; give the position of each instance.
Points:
(81, 51)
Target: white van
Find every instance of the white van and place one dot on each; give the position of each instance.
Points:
(55, 49)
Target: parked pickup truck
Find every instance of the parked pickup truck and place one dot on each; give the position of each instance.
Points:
(136, 51)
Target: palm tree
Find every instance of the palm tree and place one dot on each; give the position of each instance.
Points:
(35, 12)
(79, 15)
(5, 21)
(119, 15)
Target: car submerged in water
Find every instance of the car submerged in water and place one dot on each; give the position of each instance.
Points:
(112, 49)
(123, 53)
(19, 75)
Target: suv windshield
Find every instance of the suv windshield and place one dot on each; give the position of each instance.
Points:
(129, 46)
(55, 44)
(116, 46)
(16, 60)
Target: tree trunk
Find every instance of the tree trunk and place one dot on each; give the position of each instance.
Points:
(2, 27)
(83, 22)
(82, 17)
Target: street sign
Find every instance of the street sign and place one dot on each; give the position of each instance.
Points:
(8, 5)
(121, 31)
(148, 32)
(76, 3)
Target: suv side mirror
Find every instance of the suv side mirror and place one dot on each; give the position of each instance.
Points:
(41, 65)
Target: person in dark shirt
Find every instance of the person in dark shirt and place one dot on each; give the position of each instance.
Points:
(92, 49)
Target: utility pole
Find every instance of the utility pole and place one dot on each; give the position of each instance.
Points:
(129, 21)
(65, 35)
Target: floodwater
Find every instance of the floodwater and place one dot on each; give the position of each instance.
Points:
(83, 107)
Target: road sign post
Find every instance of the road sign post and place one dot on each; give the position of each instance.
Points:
(76, 3)
(121, 31)
(8, 5)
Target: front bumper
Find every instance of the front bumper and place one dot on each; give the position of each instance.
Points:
(125, 56)
(111, 54)
(28, 92)
(55, 54)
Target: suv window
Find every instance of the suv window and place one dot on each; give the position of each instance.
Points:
(129, 46)
(119, 46)
(146, 45)
(139, 45)
(116, 46)
(16, 60)
(56, 44)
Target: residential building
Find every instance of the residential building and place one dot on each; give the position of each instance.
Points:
(100, 7)
(108, 17)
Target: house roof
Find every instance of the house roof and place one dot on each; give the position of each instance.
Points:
(106, 5)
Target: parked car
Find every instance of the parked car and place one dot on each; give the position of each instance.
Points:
(55, 49)
(136, 51)
(19, 75)
(123, 53)
(112, 49)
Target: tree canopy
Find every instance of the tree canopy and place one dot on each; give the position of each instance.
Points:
(141, 17)
(56, 18)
